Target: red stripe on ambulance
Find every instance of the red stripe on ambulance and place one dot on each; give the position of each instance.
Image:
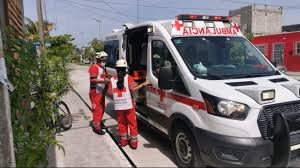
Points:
(182, 99)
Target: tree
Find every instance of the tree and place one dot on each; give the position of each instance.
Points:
(97, 45)
(59, 54)
(88, 53)
(47, 77)
(32, 29)
(249, 36)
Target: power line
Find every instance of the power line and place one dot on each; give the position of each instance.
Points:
(109, 17)
(250, 3)
(161, 7)
(154, 5)
(107, 4)
(88, 6)
(115, 12)
(195, 8)
(137, 11)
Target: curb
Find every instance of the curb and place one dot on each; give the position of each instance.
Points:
(56, 156)
(116, 151)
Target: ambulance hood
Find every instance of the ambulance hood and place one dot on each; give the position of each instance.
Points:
(248, 90)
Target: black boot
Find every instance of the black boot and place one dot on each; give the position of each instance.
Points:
(99, 131)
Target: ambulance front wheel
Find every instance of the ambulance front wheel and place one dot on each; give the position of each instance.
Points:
(184, 147)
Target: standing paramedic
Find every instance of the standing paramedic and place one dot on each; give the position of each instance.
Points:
(97, 91)
(121, 87)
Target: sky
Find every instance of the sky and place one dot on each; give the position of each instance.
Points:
(78, 17)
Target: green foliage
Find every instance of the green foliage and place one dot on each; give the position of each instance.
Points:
(32, 29)
(97, 45)
(90, 52)
(75, 58)
(58, 55)
(31, 137)
(48, 76)
(249, 36)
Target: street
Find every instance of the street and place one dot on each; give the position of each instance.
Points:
(85, 148)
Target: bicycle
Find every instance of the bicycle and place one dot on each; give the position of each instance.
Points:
(61, 118)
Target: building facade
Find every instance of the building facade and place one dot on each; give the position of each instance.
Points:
(283, 48)
(12, 17)
(258, 19)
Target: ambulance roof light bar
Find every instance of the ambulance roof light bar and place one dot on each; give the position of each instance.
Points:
(203, 17)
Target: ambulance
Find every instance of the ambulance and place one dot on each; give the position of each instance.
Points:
(212, 93)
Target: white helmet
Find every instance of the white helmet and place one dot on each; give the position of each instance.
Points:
(121, 63)
(101, 55)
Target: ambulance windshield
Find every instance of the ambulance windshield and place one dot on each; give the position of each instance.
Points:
(221, 57)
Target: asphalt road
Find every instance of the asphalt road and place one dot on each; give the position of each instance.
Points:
(84, 148)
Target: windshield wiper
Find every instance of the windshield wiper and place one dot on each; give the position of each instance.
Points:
(251, 75)
(215, 76)
(198, 74)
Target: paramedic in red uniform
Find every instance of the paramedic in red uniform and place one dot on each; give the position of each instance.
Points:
(121, 87)
(97, 91)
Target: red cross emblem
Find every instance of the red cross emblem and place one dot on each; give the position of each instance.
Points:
(177, 25)
(236, 27)
(162, 94)
(120, 92)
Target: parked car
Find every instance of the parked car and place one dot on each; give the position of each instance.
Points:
(86, 61)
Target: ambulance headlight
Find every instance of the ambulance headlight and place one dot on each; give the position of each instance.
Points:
(225, 108)
(232, 109)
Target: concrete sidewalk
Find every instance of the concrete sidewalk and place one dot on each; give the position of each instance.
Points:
(84, 148)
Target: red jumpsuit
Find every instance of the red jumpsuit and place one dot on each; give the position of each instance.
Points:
(97, 95)
(125, 113)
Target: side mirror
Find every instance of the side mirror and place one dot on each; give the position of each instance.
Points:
(165, 80)
(274, 63)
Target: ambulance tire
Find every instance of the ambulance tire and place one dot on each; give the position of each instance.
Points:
(184, 147)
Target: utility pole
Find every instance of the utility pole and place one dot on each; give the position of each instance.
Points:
(99, 21)
(137, 11)
(41, 25)
(7, 156)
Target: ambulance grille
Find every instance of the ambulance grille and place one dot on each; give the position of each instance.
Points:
(266, 122)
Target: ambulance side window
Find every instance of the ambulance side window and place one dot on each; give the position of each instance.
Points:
(161, 57)
(112, 50)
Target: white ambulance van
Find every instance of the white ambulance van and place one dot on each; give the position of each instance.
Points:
(217, 98)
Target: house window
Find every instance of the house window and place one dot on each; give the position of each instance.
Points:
(278, 53)
(297, 48)
(261, 48)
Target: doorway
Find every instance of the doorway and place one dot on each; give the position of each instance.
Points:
(278, 53)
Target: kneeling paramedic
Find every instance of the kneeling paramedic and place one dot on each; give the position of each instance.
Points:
(97, 91)
(121, 87)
